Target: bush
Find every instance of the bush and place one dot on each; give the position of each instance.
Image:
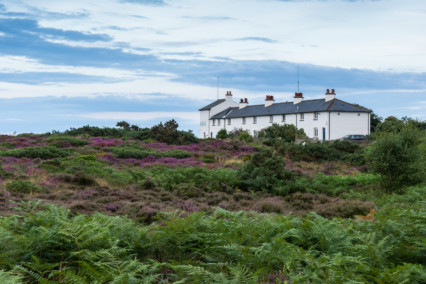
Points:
(129, 152)
(168, 133)
(222, 134)
(178, 154)
(398, 158)
(21, 186)
(65, 141)
(46, 152)
(264, 171)
(287, 132)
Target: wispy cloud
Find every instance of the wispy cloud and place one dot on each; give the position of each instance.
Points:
(253, 38)
(189, 116)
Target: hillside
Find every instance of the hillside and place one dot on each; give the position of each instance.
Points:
(86, 209)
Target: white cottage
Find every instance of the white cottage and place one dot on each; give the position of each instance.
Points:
(323, 119)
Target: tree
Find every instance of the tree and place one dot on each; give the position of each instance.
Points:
(398, 158)
(123, 125)
(375, 120)
(287, 132)
(222, 134)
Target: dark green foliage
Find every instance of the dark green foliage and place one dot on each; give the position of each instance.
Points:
(178, 154)
(241, 135)
(375, 120)
(124, 125)
(399, 158)
(168, 133)
(130, 152)
(287, 132)
(264, 171)
(140, 153)
(46, 152)
(4, 174)
(21, 186)
(65, 141)
(207, 179)
(322, 151)
(94, 131)
(222, 134)
(48, 244)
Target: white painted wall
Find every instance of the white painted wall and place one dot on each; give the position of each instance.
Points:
(334, 123)
(204, 124)
(344, 123)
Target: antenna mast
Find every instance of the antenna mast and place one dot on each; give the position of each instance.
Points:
(218, 87)
(298, 78)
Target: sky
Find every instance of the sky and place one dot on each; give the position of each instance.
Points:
(68, 64)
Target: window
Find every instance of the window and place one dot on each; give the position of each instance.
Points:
(283, 117)
(218, 122)
(214, 122)
(316, 114)
(338, 113)
(254, 119)
(315, 132)
(302, 116)
(244, 120)
(255, 133)
(229, 121)
(271, 118)
(359, 114)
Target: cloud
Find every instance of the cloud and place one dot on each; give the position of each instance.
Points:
(189, 116)
(209, 18)
(262, 39)
(145, 2)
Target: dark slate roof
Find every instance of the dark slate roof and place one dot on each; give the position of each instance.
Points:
(290, 108)
(212, 105)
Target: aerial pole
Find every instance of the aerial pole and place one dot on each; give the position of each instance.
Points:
(298, 78)
(218, 87)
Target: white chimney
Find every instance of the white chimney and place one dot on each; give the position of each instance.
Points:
(269, 101)
(330, 95)
(298, 97)
(243, 103)
(228, 95)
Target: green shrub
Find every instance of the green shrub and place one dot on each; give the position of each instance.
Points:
(65, 141)
(264, 171)
(398, 158)
(21, 186)
(287, 132)
(222, 134)
(179, 154)
(128, 152)
(46, 152)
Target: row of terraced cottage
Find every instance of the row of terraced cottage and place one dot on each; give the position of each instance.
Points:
(321, 119)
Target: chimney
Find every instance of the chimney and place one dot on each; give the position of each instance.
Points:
(228, 95)
(330, 95)
(243, 103)
(298, 97)
(269, 101)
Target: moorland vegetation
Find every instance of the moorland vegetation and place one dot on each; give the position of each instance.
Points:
(157, 205)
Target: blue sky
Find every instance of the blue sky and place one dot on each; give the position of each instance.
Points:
(70, 64)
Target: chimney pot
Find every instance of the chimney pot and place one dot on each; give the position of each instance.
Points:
(241, 100)
(245, 100)
(332, 91)
(328, 91)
